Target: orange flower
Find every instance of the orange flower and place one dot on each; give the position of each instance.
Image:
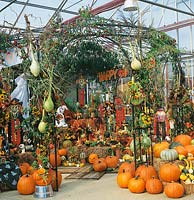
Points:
(41, 171)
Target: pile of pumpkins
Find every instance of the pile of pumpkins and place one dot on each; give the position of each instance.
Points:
(169, 175)
(103, 164)
(146, 178)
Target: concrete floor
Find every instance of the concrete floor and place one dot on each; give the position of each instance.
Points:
(104, 189)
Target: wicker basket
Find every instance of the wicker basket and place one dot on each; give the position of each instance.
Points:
(189, 188)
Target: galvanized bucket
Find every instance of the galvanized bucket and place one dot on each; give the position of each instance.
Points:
(43, 191)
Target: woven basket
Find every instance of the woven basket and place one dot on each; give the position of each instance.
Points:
(189, 188)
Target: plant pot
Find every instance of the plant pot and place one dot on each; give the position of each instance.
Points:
(43, 191)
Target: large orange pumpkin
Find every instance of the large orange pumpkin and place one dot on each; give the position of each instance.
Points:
(26, 184)
(52, 159)
(136, 185)
(92, 157)
(112, 161)
(158, 147)
(123, 179)
(169, 172)
(190, 149)
(154, 186)
(174, 190)
(127, 167)
(183, 139)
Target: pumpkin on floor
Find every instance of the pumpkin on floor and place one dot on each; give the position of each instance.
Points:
(112, 161)
(136, 185)
(169, 172)
(174, 190)
(123, 178)
(154, 186)
(99, 165)
(26, 184)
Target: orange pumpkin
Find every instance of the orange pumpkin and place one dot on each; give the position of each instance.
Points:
(52, 159)
(174, 190)
(136, 185)
(154, 186)
(54, 181)
(183, 139)
(139, 169)
(123, 179)
(26, 184)
(127, 167)
(148, 172)
(158, 147)
(92, 157)
(62, 152)
(44, 180)
(169, 172)
(181, 150)
(112, 161)
(99, 165)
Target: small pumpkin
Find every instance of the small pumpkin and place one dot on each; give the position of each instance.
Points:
(112, 161)
(169, 154)
(183, 139)
(123, 179)
(174, 190)
(92, 157)
(158, 147)
(26, 184)
(99, 165)
(136, 185)
(169, 172)
(154, 186)
(190, 149)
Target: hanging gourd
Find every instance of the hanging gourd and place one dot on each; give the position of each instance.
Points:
(48, 104)
(34, 67)
(135, 63)
(42, 127)
(146, 141)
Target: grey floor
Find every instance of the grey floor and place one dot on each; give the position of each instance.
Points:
(104, 189)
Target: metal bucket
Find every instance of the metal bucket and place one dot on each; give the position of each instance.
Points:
(43, 191)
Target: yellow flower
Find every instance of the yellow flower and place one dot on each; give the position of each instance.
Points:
(2, 97)
(41, 171)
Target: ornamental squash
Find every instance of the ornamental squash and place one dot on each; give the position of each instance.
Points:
(169, 154)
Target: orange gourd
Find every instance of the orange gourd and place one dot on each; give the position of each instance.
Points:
(181, 150)
(169, 172)
(136, 185)
(174, 190)
(154, 186)
(190, 149)
(26, 185)
(62, 152)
